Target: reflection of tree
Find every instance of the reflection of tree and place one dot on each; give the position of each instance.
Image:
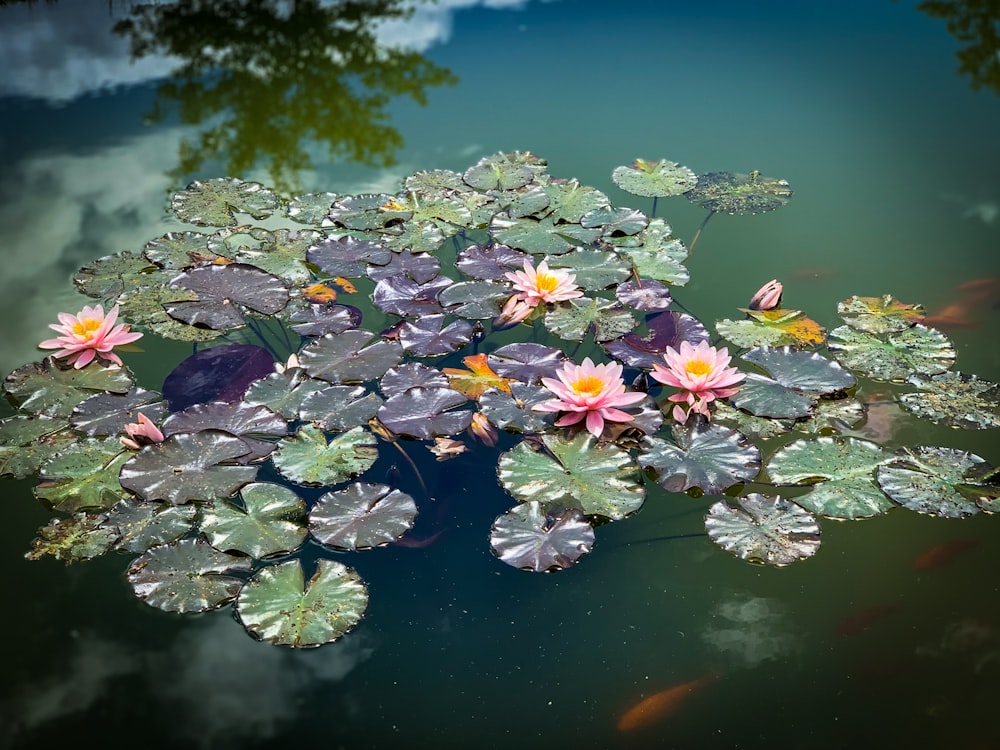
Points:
(975, 23)
(263, 76)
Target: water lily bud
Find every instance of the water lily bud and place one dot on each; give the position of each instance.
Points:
(482, 430)
(767, 297)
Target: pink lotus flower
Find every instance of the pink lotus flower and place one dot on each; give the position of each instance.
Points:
(542, 285)
(701, 373)
(141, 433)
(767, 297)
(590, 392)
(89, 333)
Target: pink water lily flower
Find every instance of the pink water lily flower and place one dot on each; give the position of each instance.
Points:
(141, 433)
(702, 374)
(536, 285)
(89, 333)
(590, 392)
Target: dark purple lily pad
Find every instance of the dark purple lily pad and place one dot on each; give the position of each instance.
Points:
(490, 262)
(319, 320)
(221, 373)
(652, 296)
(347, 256)
(426, 412)
(421, 267)
(527, 362)
(426, 337)
(344, 358)
(666, 329)
(540, 538)
(410, 375)
(237, 418)
(222, 293)
(403, 296)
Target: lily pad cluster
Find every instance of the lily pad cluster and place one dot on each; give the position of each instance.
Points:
(371, 324)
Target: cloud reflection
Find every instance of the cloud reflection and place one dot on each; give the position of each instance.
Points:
(750, 630)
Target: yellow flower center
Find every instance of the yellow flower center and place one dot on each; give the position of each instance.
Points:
(697, 367)
(588, 385)
(546, 282)
(85, 328)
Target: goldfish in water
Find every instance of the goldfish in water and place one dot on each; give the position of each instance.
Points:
(660, 705)
(944, 553)
(865, 618)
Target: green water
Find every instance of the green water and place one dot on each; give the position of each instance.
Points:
(893, 157)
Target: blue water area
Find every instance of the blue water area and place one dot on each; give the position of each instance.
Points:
(893, 157)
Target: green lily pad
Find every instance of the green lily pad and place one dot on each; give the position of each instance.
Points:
(513, 411)
(53, 390)
(269, 523)
(654, 179)
(345, 358)
(186, 576)
(284, 393)
(499, 172)
(764, 397)
(361, 515)
(532, 536)
(954, 399)
(28, 441)
(762, 529)
(707, 456)
(338, 408)
(307, 458)
(279, 607)
(107, 413)
(737, 194)
(800, 378)
(615, 222)
(79, 537)
(83, 476)
(661, 256)
(141, 525)
(215, 202)
(569, 200)
(475, 300)
(108, 277)
(936, 481)
(883, 314)
(594, 269)
(607, 319)
(310, 208)
(895, 356)
(578, 472)
(772, 328)
(845, 469)
(541, 236)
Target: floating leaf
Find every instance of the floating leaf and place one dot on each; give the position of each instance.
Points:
(338, 408)
(268, 524)
(83, 476)
(49, 389)
(412, 374)
(366, 211)
(344, 358)
(79, 537)
(765, 397)
(660, 256)
(310, 208)
(473, 382)
(219, 373)
(572, 320)
(915, 350)
(768, 530)
(27, 442)
(536, 537)
(222, 293)
(140, 525)
(425, 412)
(189, 466)
(578, 472)
(361, 515)
(654, 179)
(498, 172)
(284, 393)
(666, 329)
(569, 200)
(247, 422)
(728, 193)
(421, 267)
(347, 256)
(936, 481)
(527, 362)
(214, 202)
(650, 296)
(541, 236)
(512, 410)
(954, 399)
(108, 277)
(845, 469)
(490, 262)
(799, 379)
(594, 269)
(429, 337)
(707, 456)
(883, 314)
(476, 300)
(186, 576)
(772, 328)
(279, 607)
(615, 222)
(108, 413)
(307, 458)
(403, 296)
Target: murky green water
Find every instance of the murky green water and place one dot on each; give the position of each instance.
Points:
(893, 157)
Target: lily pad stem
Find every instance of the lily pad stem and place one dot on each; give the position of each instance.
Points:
(698, 233)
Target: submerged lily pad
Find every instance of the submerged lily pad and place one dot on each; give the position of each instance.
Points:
(768, 530)
(361, 515)
(936, 481)
(186, 576)
(536, 537)
(279, 607)
(729, 193)
(577, 472)
(955, 399)
(219, 373)
(707, 456)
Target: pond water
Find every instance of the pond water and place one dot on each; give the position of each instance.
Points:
(893, 156)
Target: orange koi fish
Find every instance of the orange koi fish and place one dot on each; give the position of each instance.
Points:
(944, 553)
(320, 293)
(660, 705)
(863, 619)
(955, 315)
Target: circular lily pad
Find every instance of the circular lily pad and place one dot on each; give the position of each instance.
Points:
(361, 515)
(936, 481)
(531, 537)
(762, 529)
(654, 179)
(707, 456)
(279, 607)
(268, 524)
(954, 399)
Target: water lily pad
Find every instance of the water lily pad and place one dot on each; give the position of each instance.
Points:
(578, 472)
(319, 320)
(178, 251)
(81, 536)
(347, 256)
(954, 399)
(279, 607)
(498, 172)
(361, 515)
(513, 410)
(107, 413)
(141, 525)
(845, 469)
(490, 262)
(475, 300)
(310, 208)
(528, 362)
(479, 376)
(252, 424)
(26, 442)
(283, 392)
(574, 319)
(425, 412)
(219, 373)
(83, 476)
(270, 521)
(186, 576)
(541, 235)
(803, 371)
(615, 222)
(215, 202)
(661, 256)
(773, 328)
(707, 456)
(430, 337)
(654, 179)
(188, 466)
(594, 269)
(417, 236)
(403, 296)
(421, 267)
(338, 408)
(108, 277)
(941, 482)
(307, 457)
(366, 211)
(649, 295)
(534, 536)
(569, 200)
(409, 375)
(222, 294)
(50, 389)
(883, 314)
(344, 358)
(729, 193)
(766, 397)
(893, 356)
(664, 330)
(762, 529)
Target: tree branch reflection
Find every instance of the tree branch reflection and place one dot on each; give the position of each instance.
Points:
(264, 78)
